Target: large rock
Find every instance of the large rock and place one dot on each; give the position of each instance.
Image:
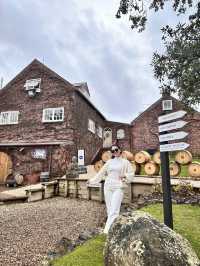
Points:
(137, 239)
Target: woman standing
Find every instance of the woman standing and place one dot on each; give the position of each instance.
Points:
(117, 172)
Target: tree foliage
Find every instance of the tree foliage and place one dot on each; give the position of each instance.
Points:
(138, 9)
(178, 68)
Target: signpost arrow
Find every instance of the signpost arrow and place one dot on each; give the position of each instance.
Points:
(174, 146)
(171, 116)
(173, 136)
(171, 126)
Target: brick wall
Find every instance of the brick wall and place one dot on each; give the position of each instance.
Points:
(145, 128)
(85, 139)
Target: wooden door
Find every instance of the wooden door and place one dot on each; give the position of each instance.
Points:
(107, 137)
(5, 166)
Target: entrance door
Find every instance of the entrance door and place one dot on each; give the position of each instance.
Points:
(5, 166)
(107, 137)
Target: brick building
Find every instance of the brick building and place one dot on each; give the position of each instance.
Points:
(145, 127)
(45, 120)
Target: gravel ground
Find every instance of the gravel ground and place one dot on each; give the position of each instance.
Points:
(30, 230)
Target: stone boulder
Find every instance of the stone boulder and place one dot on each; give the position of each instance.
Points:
(137, 239)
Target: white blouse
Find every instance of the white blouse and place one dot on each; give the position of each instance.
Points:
(113, 170)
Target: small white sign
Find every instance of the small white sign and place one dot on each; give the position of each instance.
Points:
(173, 136)
(171, 126)
(174, 146)
(81, 157)
(171, 116)
(39, 154)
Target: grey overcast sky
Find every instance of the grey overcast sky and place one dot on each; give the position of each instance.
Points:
(83, 41)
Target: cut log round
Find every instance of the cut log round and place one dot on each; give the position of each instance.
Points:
(19, 178)
(142, 157)
(183, 157)
(98, 165)
(5, 166)
(174, 169)
(151, 168)
(106, 156)
(194, 169)
(156, 157)
(128, 155)
(136, 167)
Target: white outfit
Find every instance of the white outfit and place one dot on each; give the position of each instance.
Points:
(114, 169)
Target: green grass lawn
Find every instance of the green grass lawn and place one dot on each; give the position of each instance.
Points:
(186, 222)
(89, 254)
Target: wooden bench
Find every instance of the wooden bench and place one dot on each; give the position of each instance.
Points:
(99, 188)
(35, 194)
(51, 188)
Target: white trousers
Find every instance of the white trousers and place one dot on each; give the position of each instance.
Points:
(113, 199)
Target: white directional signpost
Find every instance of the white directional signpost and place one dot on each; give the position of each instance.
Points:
(165, 147)
(173, 136)
(174, 146)
(171, 126)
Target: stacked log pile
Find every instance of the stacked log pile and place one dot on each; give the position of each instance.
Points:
(150, 165)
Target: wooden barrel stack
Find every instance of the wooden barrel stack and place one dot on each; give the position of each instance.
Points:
(151, 164)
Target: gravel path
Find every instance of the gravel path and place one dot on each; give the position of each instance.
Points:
(29, 230)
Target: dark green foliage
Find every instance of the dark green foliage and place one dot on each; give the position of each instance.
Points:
(178, 69)
(138, 9)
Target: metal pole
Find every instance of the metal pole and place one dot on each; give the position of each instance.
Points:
(166, 186)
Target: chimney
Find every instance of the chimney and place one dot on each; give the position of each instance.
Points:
(165, 92)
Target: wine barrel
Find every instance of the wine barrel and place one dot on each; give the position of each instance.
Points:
(19, 178)
(174, 169)
(106, 156)
(194, 169)
(128, 155)
(98, 165)
(151, 168)
(136, 167)
(156, 157)
(183, 157)
(5, 166)
(142, 157)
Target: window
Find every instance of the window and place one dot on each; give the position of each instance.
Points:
(53, 114)
(120, 133)
(91, 125)
(100, 131)
(167, 105)
(9, 118)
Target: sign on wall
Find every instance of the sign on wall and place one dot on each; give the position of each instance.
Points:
(39, 154)
(81, 157)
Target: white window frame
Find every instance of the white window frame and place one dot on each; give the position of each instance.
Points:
(91, 126)
(9, 118)
(120, 133)
(100, 131)
(53, 110)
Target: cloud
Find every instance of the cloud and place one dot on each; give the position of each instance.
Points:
(83, 41)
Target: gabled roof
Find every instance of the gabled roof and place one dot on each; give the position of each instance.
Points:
(151, 107)
(43, 68)
(47, 70)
